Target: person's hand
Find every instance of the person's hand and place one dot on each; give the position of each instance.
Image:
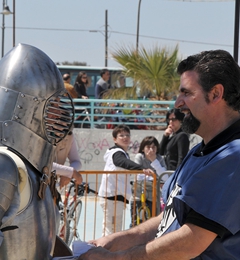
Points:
(102, 241)
(64, 181)
(168, 131)
(97, 253)
(77, 176)
(148, 172)
(151, 155)
(109, 242)
(84, 97)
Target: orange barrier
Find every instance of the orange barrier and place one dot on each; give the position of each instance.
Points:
(91, 218)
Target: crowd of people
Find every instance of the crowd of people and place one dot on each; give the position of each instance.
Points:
(116, 189)
(200, 219)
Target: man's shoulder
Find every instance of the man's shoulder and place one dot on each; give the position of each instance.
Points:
(101, 82)
(68, 85)
(234, 144)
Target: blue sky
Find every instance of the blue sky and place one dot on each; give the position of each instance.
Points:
(194, 26)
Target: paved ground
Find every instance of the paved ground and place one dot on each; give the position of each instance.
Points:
(90, 224)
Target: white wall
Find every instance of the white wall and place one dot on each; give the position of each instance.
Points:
(93, 143)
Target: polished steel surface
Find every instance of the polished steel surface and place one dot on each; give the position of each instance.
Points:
(29, 79)
(30, 85)
(35, 236)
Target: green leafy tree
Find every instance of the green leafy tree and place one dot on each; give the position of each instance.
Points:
(153, 71)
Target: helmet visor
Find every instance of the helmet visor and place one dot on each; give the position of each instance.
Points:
(58, 117)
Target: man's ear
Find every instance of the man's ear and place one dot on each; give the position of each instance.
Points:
(216, 93)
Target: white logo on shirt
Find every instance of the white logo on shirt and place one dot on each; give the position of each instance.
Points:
(169, 214)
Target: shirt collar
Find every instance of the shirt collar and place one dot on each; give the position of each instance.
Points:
(229, 134)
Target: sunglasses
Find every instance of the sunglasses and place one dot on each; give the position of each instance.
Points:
(173, 119)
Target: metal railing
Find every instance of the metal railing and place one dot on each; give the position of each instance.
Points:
(105, 113)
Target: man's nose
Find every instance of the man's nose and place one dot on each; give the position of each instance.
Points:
(179, 102)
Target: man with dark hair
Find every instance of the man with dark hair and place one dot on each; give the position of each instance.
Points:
(102, 84)
(201, 217)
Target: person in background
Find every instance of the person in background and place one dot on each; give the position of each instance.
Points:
(68, 86)
(67, 148)
(102, 85)
(80, 85)
(175, 143)
(148, 157)
(114, 198)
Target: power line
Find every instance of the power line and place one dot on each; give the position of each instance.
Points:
(177, 40)
(123, 33)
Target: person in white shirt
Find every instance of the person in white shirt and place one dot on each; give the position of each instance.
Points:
(67, 148)
(115, 190)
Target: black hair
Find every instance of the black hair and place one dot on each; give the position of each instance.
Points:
(216, 67)
(148, 140)
(178, 114)
(79, 78)
(120, 128)
(103, 71)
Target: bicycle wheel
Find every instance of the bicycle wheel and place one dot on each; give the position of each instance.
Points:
(143, 214)
(64, 229)
(73, 219)
(85, 123)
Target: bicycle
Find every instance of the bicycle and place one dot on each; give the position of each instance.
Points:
(143, 208)
(84, 117)
(70, 211)
(141, 211)
(85, 120)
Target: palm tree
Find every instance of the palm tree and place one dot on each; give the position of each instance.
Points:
(153, 71)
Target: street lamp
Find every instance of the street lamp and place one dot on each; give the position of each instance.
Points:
(5, 11)
(138, 22)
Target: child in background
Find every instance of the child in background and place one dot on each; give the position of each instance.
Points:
(148, 157)
(116, 193)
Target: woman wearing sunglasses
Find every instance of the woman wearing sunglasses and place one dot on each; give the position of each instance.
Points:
(81, 85)
(175, 143)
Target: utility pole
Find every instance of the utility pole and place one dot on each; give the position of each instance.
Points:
(236, 31)
(138, 22)
(14, 13)
(3, 28)
(106, 38)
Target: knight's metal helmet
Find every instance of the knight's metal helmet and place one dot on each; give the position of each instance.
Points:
(35, 110)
